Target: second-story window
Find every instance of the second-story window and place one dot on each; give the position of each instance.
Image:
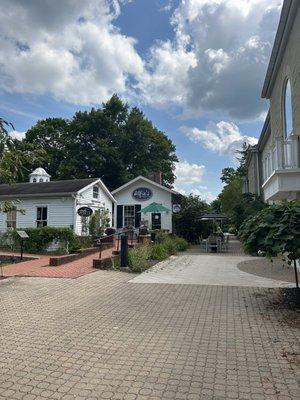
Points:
(95, 192)
(287, 110)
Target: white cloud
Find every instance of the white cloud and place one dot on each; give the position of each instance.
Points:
(73, 50)
(217, 59)
(68, 48)
(187, 173)
(17, 134)
(189, 177)
(223, 137)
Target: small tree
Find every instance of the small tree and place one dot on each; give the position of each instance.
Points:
(274, 231)
(188, 222)
(98, 222)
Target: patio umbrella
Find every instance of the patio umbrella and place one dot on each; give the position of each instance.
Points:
(155, 208)
(213, 217)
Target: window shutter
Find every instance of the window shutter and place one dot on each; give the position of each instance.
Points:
(137, 215)
(119, 216)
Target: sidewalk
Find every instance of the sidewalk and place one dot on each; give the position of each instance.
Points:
(40, 267)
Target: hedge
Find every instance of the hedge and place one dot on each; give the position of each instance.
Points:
(40, 238)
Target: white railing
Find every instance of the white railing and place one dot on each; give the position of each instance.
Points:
(284, 155)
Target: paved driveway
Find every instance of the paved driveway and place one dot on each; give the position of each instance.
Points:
(102, 337)
(206, 269)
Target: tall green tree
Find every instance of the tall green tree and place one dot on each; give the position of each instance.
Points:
(237, 205)
(188, 222)
(15, 156)
(114, 142)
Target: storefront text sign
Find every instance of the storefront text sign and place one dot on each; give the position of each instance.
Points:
(85, 211)
(142, 193)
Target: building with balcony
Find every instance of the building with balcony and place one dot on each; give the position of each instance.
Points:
(273, 165)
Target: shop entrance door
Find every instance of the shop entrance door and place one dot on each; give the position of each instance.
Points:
(156, 220)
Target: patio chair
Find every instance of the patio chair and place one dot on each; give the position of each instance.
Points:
(213, 243)
(203, 244)
(223, 244)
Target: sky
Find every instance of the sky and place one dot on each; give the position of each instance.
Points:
(195, 67)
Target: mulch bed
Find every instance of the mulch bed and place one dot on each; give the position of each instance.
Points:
(278, 269)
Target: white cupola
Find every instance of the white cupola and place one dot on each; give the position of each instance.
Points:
(39, 175)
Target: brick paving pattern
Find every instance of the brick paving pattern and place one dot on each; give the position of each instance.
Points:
(101, 337)
(40, 267)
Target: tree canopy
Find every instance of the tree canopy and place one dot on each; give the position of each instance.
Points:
(114, 142)
(232, 201)
(15, 157)
(188, 222)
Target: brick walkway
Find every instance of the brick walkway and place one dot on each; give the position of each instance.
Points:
(101, 337)
(40, 267)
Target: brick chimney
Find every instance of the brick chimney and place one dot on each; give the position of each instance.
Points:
(155, 176)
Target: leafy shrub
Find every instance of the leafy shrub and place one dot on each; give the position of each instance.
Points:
(158, 252)
(161, 237)
(138, 259)
(274, 230)
(40, 238)
(232, 230)
(180, 244)
(170, 246)
(83, 242)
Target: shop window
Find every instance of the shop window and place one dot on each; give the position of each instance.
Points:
(287, 110)
(11, 219)
(128, 216)
(95, 192)
(41, 216)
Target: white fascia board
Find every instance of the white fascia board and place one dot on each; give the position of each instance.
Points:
(102, 186)
(146, 180)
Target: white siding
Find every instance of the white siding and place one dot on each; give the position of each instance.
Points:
(60, 212)
(85, 198)
(159, 195)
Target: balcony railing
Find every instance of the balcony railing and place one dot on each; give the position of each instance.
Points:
(284, 155)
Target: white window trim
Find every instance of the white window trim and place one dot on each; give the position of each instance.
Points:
(48, 214)
(286, 135)
(128, 205)
(8, 228)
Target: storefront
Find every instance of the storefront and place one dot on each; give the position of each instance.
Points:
(138, 194)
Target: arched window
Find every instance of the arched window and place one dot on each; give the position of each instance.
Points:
(41, 180)
(34, 180)
(287, 110)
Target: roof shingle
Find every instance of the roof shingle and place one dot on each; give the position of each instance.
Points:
(44, 188)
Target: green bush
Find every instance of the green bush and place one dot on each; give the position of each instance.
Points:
(158, 252)
(170, 246)
(138, 259)
(180, 244)
(274, 230)
(40, 238)
(161, 237)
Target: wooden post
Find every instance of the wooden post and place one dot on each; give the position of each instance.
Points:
(124, 251)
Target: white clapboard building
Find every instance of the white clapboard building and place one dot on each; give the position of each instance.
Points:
(54, 203)
(138, 193)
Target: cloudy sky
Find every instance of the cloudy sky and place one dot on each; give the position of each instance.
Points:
(196, 68)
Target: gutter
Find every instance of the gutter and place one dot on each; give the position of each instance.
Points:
(19, 195)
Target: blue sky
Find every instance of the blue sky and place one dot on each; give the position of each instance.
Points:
(195, 67)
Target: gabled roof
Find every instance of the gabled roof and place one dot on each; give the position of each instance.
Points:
(146, 180)
(287, 17)
(52, 188)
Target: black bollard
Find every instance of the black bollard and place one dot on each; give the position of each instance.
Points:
(124, 251)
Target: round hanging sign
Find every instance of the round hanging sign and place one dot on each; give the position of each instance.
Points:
(85, 211)
(142, 193)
